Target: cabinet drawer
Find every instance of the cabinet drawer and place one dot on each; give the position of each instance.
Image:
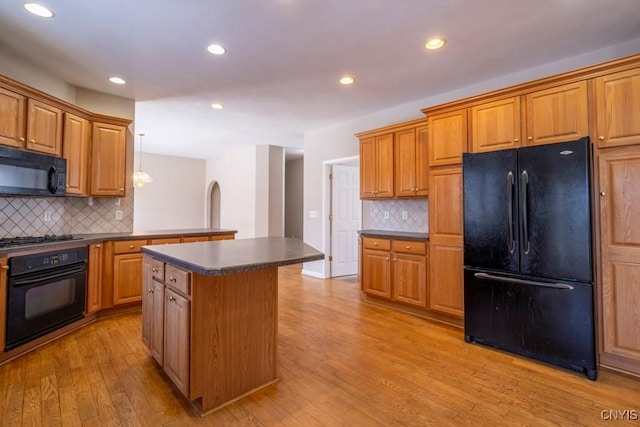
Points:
(192, 239)
(157, 270)
(379, 244)
(128, 246)
(410, 247)
(177, 279)
(164, 241)
(221, 237)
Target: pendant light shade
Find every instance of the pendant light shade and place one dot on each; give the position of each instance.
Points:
(141, 178)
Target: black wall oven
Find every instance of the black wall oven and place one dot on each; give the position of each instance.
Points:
(45, 292)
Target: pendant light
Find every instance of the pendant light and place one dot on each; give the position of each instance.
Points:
(141, 178)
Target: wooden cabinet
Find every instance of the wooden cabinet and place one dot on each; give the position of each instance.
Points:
(76, 144)
(619, 180)
(12, 116)
(495, 125)
(108, 159)
(446, 273)
(617, 107)
(44, 128)
(94, 279)
(376, 267)
(376, 167)
(411, 159)
(127, 271)
(395, 270)
(410, 272)
(447, 137)
(557, 114)
(166, 319)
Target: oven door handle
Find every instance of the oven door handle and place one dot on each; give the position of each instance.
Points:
(43, 275)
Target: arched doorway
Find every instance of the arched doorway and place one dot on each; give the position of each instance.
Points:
(213, 204)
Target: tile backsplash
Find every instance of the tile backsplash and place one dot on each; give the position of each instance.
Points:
(416, 215)
(21, 217)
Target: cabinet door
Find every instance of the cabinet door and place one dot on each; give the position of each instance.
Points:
(94, 279)
(384, 145)
(447, 138)
(368, 168)
(12, 114)
(446, 241)
(44, 128)
(108, 151)
(422, 161)
(619, 173)
(618, 108)
(558, 114)
(405, 163)
(495, 125)
(127, 278)
(77, 136)
(157, 321)
(376, 273)
(410, 279)
(176, 348)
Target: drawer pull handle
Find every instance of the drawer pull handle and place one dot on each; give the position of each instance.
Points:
(530, 138)
(131, 246)
(601, 138)
(155, 270)
(172, 299)
(33, 141)
(172, 279)
(150, 291)
(21, 139)
(516, 140)
(98, 246)
(407, 247)
(375, 243)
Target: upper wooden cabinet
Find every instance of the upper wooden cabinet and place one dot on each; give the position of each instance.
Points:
(12, 114)
(447, 137)
(557, 114)
(77, 138)
(44, 128)
(495, 125)
(376, 167)
(617, 99)
(108, 159)
(411, 160)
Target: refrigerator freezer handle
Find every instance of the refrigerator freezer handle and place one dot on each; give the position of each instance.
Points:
(513, 280)
(510, 182)
(524, 185)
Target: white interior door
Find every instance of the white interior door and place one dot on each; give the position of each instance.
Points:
(345, 223)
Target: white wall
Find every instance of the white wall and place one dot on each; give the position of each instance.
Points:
(176, 197)
(338, 140)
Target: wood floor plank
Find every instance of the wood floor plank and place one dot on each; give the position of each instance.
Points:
(342, 362)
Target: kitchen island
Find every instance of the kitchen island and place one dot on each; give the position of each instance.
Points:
(210, 313)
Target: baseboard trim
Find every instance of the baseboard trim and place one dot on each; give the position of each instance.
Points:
(312, 273)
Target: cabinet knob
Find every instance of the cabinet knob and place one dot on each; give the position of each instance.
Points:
(122, 189)
(375, 243)
(33, 141)
(172, 299)
(395, 259)
(21, 139)
(155, 270)
(516, 140)
(530, 138)
(150, 290)
(407, 247)
(131, 246)
(5, 267)
(601, 138)
(602, 193)
(172, 279)
(98, 246)
(386, 259)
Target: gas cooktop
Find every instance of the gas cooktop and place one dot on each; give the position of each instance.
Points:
(9, 242)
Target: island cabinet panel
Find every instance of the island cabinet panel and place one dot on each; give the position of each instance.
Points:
(617, 99)
(12, 118)
(44, 128)
(157, 316)
(108, 153)
(76, 147)
(495, 125)
(558, 114)
(177, 317)
(239, 354)
(619, 181)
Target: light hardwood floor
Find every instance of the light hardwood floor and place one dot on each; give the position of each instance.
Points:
(342, 362)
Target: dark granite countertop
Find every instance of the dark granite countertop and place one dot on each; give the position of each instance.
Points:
(87, 239)
(222, 257)
(404, 235)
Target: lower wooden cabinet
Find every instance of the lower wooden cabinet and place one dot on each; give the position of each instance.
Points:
(166, 319)
(94, 279)
(127, 277)
(395, 270)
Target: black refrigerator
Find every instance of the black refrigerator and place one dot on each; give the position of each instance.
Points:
(528, 253)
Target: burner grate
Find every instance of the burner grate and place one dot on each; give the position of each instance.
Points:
(33, 240)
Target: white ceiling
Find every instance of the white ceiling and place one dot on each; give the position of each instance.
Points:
(280, 75)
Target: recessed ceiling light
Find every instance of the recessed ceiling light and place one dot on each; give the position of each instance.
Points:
(38, 9)
(347, 80)
(435, 43)
(216, 49)
(217, 106)
(117, 80)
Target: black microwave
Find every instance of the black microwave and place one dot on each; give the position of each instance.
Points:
(25, 173)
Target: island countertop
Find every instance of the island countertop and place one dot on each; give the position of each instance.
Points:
(224, 257)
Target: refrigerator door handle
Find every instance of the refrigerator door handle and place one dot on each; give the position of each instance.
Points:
(513, 280)
(524, 185)
(510, 182)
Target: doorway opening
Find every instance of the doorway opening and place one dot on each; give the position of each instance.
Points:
(213, 205)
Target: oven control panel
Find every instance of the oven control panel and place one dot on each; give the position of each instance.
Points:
(46, 260)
